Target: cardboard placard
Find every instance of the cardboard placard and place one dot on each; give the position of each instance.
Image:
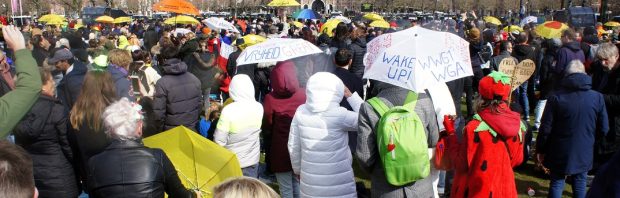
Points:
(518, 73)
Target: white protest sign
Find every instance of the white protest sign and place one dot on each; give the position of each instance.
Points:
(417, 58)
(226, 50)
(276, 49)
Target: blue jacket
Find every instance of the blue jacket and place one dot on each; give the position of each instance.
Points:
(572, 117)
(123, 86)
(607, 181)
(568, 52)
(69, 87)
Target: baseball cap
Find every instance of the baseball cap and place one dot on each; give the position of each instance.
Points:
(61, 54)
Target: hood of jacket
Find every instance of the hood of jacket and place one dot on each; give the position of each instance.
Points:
(506, 123)
(573, 46)
(241, 88)
(577, 81)
(360, 42)
(324, 91)
(522, 50)
(174, 66)
(284, 80)
(116, 72)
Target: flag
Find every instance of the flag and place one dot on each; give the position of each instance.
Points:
(222, 60)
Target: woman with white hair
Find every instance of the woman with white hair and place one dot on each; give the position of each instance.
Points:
(126, 168)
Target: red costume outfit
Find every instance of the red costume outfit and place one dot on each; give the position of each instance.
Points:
(491, 146)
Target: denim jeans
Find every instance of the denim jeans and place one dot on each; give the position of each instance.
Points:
(556, 186)
(523, 100)
(540, 108)
(250, 171)
(289, 185)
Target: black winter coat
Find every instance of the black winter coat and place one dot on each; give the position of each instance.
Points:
(358, 49)
(522, 52)
(43, 133)
(128, 169)
(177, 100)
(69, 87)
(150, 39)
(608, 83)
(40, 55)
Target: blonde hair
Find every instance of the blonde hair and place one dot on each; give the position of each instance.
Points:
(120, 57)
(242, 187)
(606, 51)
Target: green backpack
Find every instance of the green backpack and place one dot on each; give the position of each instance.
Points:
(402, 141)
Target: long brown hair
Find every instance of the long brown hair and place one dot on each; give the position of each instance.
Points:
(494, 105)
(98, 91)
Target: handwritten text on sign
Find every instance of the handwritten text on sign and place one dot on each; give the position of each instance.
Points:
(518, 73)
(275, 52)
(441, 66)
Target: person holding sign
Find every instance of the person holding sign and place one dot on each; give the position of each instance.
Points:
(492, 144)
(523, 51)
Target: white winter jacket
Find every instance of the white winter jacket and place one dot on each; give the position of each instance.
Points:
(239, 126)
(318, 143)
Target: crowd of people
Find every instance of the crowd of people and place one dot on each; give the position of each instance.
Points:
(78, 100)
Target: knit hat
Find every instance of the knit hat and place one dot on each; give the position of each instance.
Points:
(495, 86)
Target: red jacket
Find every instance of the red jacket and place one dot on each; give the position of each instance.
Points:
(280, 106)
(483, 161)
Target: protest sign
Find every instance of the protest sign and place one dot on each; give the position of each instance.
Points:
(276, 49)
(417, 58)
(219, 24)
(518, 73)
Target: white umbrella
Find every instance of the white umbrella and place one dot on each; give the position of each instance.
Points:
(417, 58)
(343, 19)
(182, 31)
(529, 19)
(276, 49)
(219, 24)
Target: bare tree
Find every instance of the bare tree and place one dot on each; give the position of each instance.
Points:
(74, 6)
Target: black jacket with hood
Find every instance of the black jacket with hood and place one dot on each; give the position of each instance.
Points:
(43, 133)
(358, 49)
(177, 100)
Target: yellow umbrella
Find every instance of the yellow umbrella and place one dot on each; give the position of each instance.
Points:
(122, 20)
(513, 28)
(373, 17)
(200, 163)
(47, 17)
(283, 3)
(329, 26)
(181, 19)
(612, 24)
(78, 26)
(251, 39)
(551, 29)
(105, 19)
(492, 20)
(297, 24)
(380, 24)
(55, 21)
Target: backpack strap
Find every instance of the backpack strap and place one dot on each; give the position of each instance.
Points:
(378, 105)
(411, 101)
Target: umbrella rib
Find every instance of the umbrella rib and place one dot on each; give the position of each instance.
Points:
(195, 165)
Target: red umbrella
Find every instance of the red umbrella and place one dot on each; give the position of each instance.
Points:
(393, 24)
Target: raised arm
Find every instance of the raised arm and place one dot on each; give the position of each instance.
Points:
(15, 104)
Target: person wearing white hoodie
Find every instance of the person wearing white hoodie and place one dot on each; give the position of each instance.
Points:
(318, 140)
(240, 125)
